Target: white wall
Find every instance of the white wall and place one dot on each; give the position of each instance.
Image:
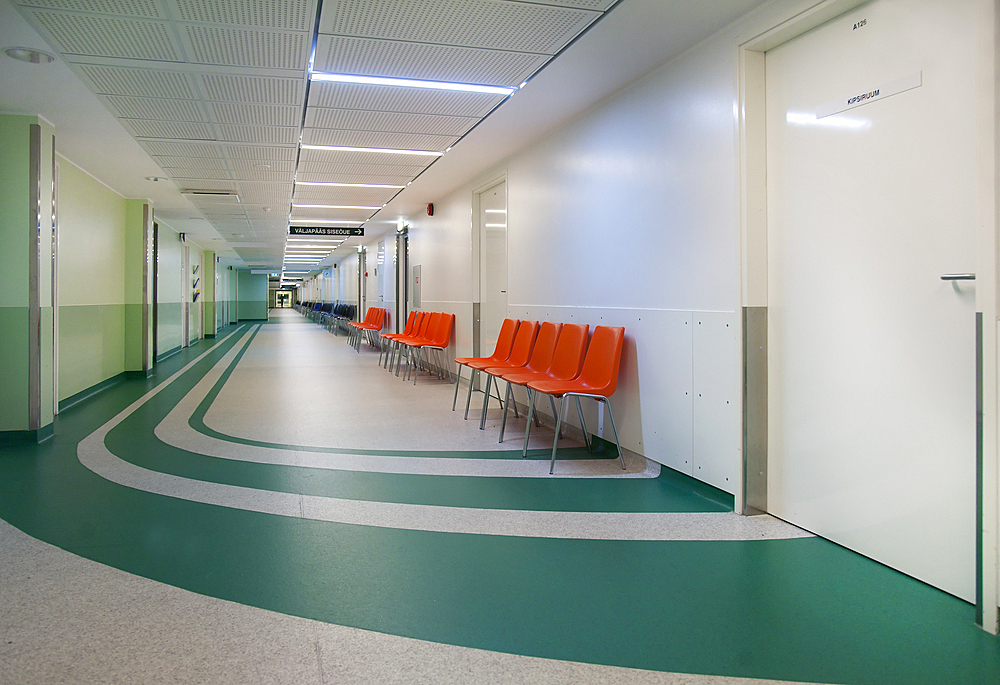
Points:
(627, 216)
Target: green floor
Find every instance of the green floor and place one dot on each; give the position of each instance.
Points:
(800, 609)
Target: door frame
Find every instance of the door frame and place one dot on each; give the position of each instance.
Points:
(770, 32)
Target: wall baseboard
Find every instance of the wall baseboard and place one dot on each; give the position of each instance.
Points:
(91, 391)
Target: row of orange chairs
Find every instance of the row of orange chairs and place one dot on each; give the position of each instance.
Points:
(424, 331)
(373, 323)
(553, 359)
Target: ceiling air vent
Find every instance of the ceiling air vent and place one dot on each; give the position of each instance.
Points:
(210, 193)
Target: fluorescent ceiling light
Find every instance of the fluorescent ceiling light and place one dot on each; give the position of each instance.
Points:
(334, 206)
(495, 211)
(412, 83)
(345, 148)
(496, 225)
(346, 185)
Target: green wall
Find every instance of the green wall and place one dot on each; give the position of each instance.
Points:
(251, 295)
(91, 281)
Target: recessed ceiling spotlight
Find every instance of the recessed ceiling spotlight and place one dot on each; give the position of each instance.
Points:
(263, 166)
(156, 178)
(30, 55)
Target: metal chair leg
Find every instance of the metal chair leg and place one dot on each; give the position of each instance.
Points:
(555, 440)
(486, 402)
(527, 424)
(468, 400)
(583, 426)
(457, 379)
(506, 403)
(621, 454)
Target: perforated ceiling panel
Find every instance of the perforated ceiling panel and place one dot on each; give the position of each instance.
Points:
(396, 122)
(471, 23)
(215, 91)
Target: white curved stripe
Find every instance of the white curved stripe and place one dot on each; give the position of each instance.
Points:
(94, 455)
(174, 430)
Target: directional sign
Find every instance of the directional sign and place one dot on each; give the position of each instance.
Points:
(325, 230)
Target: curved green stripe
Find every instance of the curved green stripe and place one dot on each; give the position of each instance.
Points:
(133, 440)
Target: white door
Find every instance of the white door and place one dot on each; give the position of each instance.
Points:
(872, 415)
(492, 265)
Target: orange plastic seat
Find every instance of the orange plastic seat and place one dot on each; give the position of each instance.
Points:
(505, 340)
(598, 379)
(541, 359)
(567, 359)
(438, 338)
(374, 320)
(520, 353)
(390, 338)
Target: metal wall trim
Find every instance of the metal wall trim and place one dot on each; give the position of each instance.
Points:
(146, 254)
(754, 410)
(34, 268)
(979, 469)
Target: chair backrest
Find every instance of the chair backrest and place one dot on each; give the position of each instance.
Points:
(604, 357)
(317, 306)
(505, 340)
(371, 314)
(433, 321)
(423, 320)
(524, 341)
(379, 319)
(545, 345)
(568, 355)
(408, 330)
(441, 336)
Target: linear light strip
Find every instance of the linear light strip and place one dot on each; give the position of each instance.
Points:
(334, 206)
(346, 185)
(411, 83)
(390, 151)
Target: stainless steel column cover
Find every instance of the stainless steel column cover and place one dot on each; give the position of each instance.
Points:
(754, 410)
(979, 469)
(34, 306)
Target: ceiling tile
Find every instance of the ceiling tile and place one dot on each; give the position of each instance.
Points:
(281, 135)
(138, 82)
(176, 130)
(261, 115)
(361, 120)
(255, 89)
(330, 156)
(293, 15)
(123, 8)
(100, 36)
(245, 47)
(494, 24)
(155, 108)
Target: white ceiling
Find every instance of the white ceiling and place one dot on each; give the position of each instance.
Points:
(215, 96)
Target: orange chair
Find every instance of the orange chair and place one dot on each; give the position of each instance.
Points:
(438, 338)
(373, 317)
(598, 379)
(390, 338)
(420, 328)
(520, 353)
(541, 359)
(500, 353)
(567, 358)
(370, 329)
(408, 343)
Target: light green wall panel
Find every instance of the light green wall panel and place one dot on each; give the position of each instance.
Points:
(251, 295)
(208, 293)
(138, 285)
(91, 240)
(194, 282)
(91, 346)
(168, 327)
(14, 211)
(14, 352)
